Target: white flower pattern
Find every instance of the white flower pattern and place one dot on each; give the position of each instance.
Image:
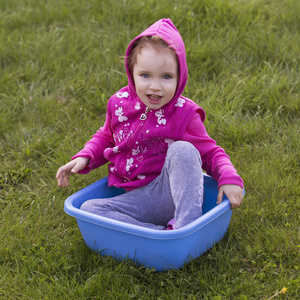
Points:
(180, 102)
(116, 149)
(122, 95)
(138, 106)
(136, 151)
(129, 164)
(160, 120)
(120, 114)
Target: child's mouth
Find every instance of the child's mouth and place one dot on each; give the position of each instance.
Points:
(154, 98)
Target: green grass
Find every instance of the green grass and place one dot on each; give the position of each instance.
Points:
(59, 63)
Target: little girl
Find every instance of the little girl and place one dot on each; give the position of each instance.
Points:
(155, 141)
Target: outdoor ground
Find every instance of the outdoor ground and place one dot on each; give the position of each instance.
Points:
(59, 63)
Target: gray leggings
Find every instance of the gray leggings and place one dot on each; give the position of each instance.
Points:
(176, 193)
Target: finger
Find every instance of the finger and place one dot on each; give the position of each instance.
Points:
(234, 205)
(62, 180)
(75, 169)
(220, 196)
(59, 181)
(234, 202)
(58, 173)
(62, 171)
(78, 167)
(66, 181)
(239, 200)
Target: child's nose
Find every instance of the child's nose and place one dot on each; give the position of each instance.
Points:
(155, 85)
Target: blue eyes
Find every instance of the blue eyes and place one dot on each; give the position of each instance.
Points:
(148, 76)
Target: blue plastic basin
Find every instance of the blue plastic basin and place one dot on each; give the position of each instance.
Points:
(161, 249)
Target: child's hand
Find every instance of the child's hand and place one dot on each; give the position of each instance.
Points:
(71, 167)
(233, 192)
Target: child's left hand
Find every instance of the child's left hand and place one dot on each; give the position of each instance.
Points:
(233, 192)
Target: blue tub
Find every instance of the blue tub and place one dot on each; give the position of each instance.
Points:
(161, 249)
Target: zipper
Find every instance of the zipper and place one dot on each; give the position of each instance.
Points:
(136, 130)
(143, 116)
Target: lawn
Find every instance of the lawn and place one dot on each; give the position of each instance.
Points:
(60, 61)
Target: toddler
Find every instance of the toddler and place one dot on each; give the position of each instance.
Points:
(155, 141)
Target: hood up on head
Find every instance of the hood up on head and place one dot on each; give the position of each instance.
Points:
(166, 30)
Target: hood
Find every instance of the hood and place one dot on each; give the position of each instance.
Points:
(166, 30)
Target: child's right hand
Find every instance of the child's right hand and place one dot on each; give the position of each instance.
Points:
(72, 167)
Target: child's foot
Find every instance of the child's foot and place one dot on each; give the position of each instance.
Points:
(171, 225)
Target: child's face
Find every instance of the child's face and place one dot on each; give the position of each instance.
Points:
(155, 76)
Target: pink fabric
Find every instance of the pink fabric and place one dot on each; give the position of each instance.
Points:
(135, 148)
(171, 225)
(214, 159)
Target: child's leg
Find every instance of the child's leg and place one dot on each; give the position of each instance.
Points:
(183, 167)
(150, 206)
(177, 191)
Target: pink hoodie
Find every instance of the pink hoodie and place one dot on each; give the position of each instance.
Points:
(135, 147)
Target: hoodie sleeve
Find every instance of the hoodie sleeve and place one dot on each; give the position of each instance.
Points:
(214, 159)
(94, 149)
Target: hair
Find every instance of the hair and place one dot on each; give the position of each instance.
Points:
(155, 41)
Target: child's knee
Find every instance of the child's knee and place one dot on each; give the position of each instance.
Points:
(85, 206)
(181, 146)
(182, 150)
(91, 205)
